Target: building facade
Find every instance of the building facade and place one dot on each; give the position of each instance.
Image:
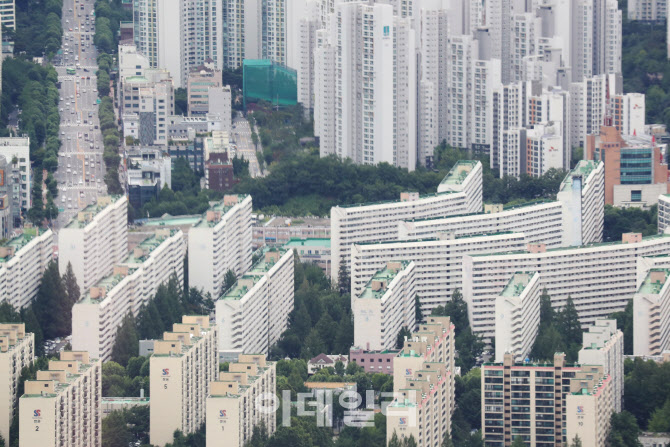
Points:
(651, 306)
(16, 151)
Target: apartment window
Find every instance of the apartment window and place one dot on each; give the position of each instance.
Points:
(636, 196)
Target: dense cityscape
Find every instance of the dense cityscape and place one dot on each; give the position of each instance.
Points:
(334, 223)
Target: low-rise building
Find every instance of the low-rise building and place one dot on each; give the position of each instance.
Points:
(110, 404)
(386, 305)
(325, 361)
(460, 192)
(17, 351)
(219, 242)
(424, 381)
(314, 250)
(148, 172)
(374, 361)
(23, 260)
(183, 365)
(280, 230)
(61, 408)
(518, 315)
(133, 283)
(253, 313)
(97, 229)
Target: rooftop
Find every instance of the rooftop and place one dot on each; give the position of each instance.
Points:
(654, 281)
(92, 211)
(517, 284)
(62, 386)
(377, 287)
(313, 242)
(583, 168)
(257, 271)
(505, 208)
(219, 207)
(105, 284)
(147, 246)
(168, 220)
(17, 243)
(459, 172)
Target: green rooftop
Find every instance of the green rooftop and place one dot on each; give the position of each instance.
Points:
(168, 220)
(583, 168)
(218, 208)
(92, 211)
(142, 251)
(106, 284)
(459, 172)
(17, 243)
(654, 281)
(377, 287)
(517, 284)
(312, 242)
(269, 258)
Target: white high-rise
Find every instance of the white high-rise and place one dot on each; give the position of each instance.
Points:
(374, 95)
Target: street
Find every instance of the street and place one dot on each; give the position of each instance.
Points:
(81, 170)
(244, 147)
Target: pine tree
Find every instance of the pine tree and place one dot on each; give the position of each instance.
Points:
(394, 441)
(547, 314)
(400, 339)
(344, 280)
(71, 286)
(229, 280)
(418, 314)
(576, 442)
(127, 342)
(447, 442)
(569, 323)
(518, 442)
(52, 306)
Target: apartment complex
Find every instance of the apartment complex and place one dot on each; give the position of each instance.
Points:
(252, 315)
(386, 306)
(663, 212)
(23, 260)
(438, 262)
(16, 151)
(61, 408)
(589, 408)
(603, 345)
(17, 351)
(182, 366)
(651, 307)
(424, 380)
(517, 314)
(220, 241)
(635, 170)
(647, 10)
(232, 404)
(199, 81)
(97, 229)
(600, 278)
(132, 284)
(459, 192)
(146, 102)
(532, 401)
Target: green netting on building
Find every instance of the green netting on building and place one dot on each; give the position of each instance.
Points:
(268, 81)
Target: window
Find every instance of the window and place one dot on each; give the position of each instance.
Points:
(636, 196)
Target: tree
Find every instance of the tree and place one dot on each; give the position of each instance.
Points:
(71, 286)
(394, 441)
(400, 340)
(339, 368)
(518, 442)
(447, 442)
(52, 306)
(624, 431)
(576, 442)
(624, 321)
(418, 314)
(127, 341)
(344, 280)
(660, 419)
(229, 280)
(115, 432)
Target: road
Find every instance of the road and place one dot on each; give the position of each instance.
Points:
(80, 173)
(244, 147)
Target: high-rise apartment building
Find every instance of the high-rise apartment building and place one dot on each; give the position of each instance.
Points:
(647, 10)
(220, 241)
(460, 192)
(17, 351)
(23, 260)
(101, 228)
(651, 307)
(424, 379)
(252, 315)
(8, 14)
(628, 113)
(232, 403)
(16, 151)
(517, 314)
(600, 278)
(182, 366)
(663, 212)
(385, 307)
(438, 262)
(374, 89)
(101, 309)
(61, 408)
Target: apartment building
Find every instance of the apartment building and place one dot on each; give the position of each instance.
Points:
(438, 262)
(588, 101)
(199, 81)
(544, 148)
(99, 228)
(252, 315)
(628, 113)
(61, 408)
(459, 192)
(589, 408)
(423, 378)
(232, 403)
(314, 250)
(517, 314)
(8, 14)
(540, 222)
(635, 170)
(600, 278)
(375, 98)
(17, 351)
(132, 284)
(373, 361)
(386, 306)
(530, 400)
(603, 345)
(663, 212)
(23, 260)
(647, 10)
(582, 194)
(651, 307)
(16, 151)
(182, 366)
(220, 241)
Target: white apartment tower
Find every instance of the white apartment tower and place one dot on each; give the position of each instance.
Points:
(647, 10)
(374, 86)
(651, 307)
(218, 242)
(95, 240)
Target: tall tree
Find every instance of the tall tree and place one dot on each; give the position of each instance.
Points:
(229, 280)
(418, 314)
(624, 431)
(52, 306)
(400, 339)
(127, 341)
(115, 431)
(576, 442)
(71, 286)
(518, 442)
(344, 280)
